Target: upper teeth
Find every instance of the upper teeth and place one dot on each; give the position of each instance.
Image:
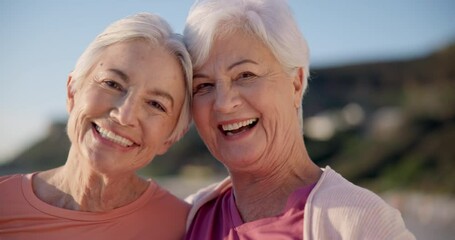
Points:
(113, 137)
(235, 126)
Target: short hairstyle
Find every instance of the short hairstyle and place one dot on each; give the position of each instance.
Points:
(271, 21)
(158, 32)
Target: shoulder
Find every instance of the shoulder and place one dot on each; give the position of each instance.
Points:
(156, 204)
(210, 192)
(7, 178)
(11, 182)
(14, 192)
(10, 185)
(158, 211)
(352, 210)
(204, 195)
(165, 200)
(332, 188)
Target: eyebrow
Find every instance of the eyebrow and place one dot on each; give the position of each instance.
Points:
(201, 75)
(240, 63)
(160, 93)
(120, 73)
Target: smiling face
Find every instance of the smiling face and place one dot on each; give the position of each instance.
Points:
(126, 108)
(245, 104)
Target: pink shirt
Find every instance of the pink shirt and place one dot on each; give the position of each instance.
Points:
(156, 214)
(220, 219)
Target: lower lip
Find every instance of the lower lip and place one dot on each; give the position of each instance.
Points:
(108, 142)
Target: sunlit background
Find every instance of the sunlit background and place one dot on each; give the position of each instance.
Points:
(359, 49)
(40, 42)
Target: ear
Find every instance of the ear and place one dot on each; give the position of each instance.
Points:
(69, 94)
(166, 145)
(298, 87)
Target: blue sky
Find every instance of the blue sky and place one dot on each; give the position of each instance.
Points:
(40, 42)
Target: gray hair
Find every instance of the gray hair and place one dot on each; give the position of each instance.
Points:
(157, 31)
(269, 20)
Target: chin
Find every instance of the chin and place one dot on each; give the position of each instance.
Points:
(239, 160)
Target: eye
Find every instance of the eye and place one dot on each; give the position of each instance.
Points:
(157, 105)
(113, 84)
(202, 88)
(245, 76)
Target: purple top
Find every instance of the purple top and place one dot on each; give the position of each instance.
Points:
(220, 219)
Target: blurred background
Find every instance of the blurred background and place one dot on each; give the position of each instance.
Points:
(380, 108)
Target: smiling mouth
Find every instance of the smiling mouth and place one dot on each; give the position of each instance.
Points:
(108, 135)
(235, 128)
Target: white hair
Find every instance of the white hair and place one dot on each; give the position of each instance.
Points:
(269, 20)
(158, 32)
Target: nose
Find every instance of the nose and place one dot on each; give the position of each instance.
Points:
(126, 112)
(227, 99)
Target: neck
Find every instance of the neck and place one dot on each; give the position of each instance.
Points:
(76, 187)
(264, 192)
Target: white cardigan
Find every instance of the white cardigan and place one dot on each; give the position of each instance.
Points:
(335, 209)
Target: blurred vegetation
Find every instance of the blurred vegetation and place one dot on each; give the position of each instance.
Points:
(404, 141)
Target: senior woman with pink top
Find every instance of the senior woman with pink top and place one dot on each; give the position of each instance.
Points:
(251, 66)
(128, 100)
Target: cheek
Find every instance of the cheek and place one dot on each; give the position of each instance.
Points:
(200, 111)
(85, 106)
(96, 104)
(274, 96)
(74, 124)
(201, 116)
(204, 125)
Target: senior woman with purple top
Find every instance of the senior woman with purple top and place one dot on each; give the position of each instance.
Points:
(251, 66)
